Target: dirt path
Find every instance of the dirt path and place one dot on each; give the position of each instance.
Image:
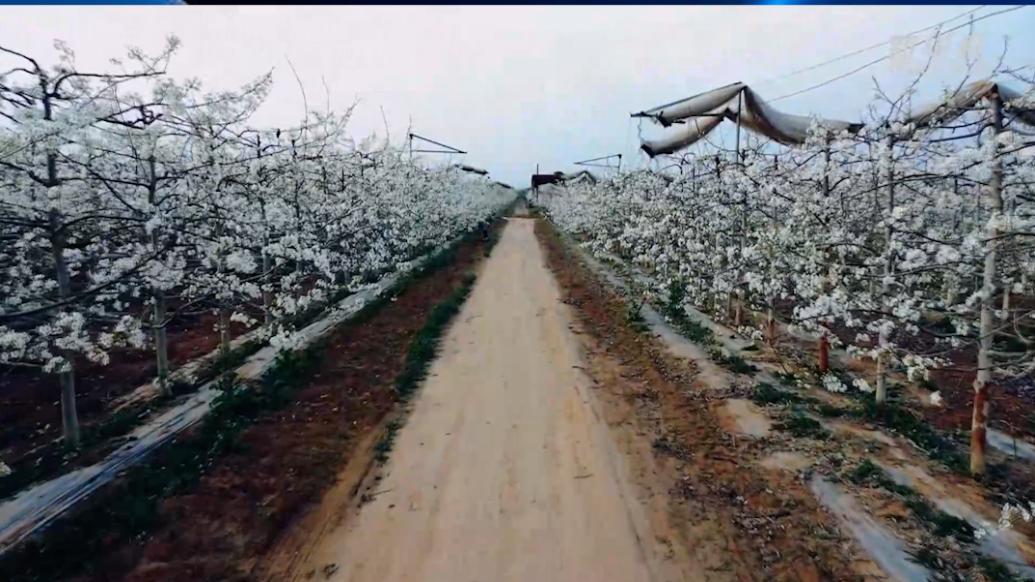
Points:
(504, 469)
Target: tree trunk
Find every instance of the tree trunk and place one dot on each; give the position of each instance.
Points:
(224, 331)
(824, 354)
(979, 420)
(770, 327)
(267, 296)
(69, 413)
(881, 393)
(978, 424)
(161, 342)
(158, 325)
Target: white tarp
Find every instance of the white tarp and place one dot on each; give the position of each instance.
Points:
(472, 169)
(704, 112)
(967, 97)
(702, 103)
(579, 176)
(785, 128)
(695, 129)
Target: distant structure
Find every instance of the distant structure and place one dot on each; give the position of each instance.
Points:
(471, 169)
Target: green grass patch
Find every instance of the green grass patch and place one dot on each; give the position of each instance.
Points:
(676, 314)
(384, 446)
(942, 524)
(939, 522)
(830, 411)
(692, 329)
(425, 345)
(865, 472)
(634, 317)
(801, 426)
(676, 297)
(732, 362)
(917, 430)
(768, 394)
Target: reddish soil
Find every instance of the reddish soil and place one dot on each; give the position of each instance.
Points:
(30, 410)
(287, 459)
(1013, 402)
(740, 522)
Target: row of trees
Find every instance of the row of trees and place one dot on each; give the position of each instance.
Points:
(908, 242)
(129, 198)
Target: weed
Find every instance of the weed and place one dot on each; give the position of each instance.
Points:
(864, 472)
(676, 296)
(996, 571)
(801, 426)
(929, 558)
(942, 524)
(693, 330)
(634, 316)
(676, 314)
(892, 416)
(830, 411)
(732, 362)
(767, 394)
(384, 446)
(939, 522)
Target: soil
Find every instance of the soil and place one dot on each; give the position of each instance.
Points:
(30, 410)
(739, 522)
(1012, 403)
(550, 426)
(504, 457)
(287, 459)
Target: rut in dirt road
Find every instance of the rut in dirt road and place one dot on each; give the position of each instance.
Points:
(503, 470)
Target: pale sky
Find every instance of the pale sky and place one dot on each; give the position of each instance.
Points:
(521, 85)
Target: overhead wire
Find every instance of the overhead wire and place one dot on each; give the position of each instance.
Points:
(888, 56)
(866, 49)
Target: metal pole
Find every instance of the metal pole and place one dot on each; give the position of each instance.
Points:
(740, 110)
(537, 187)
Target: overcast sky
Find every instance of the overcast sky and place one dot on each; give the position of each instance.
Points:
(517, 86)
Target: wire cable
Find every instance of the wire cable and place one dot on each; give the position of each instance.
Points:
(866, 49)
(888, 56)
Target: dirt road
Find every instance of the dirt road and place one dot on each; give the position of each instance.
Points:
(504, 469)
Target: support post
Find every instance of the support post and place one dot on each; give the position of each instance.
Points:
(740, 110)
(979, 419)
